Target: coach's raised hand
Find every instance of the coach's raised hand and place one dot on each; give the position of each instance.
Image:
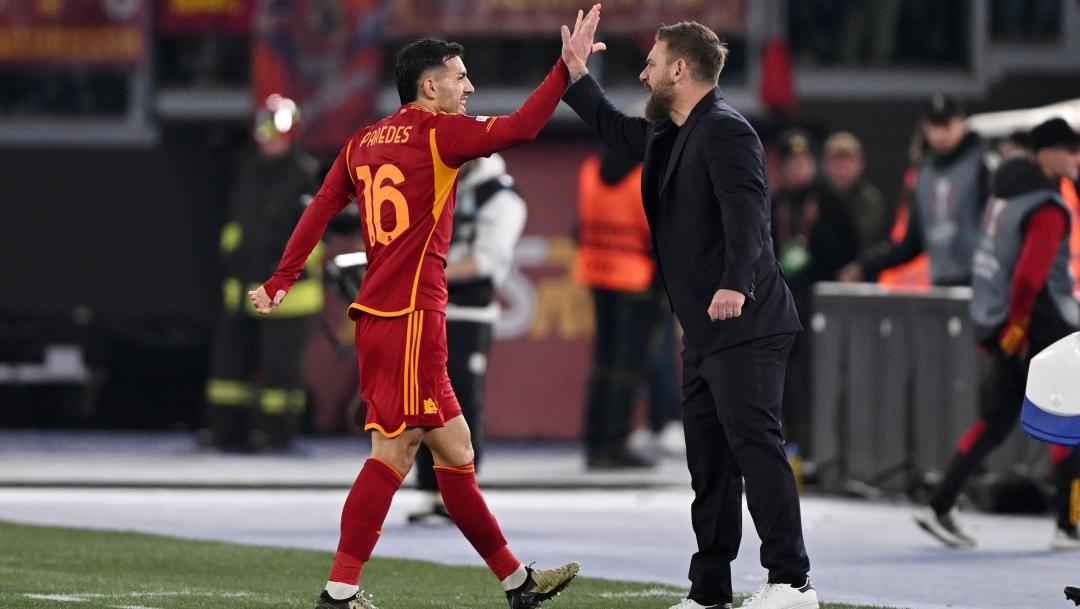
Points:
(577, 46)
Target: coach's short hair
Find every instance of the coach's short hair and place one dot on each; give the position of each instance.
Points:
(418, 57)
(698, 46)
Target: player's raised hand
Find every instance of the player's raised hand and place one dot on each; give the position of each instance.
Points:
(262, 301)
(578, 45)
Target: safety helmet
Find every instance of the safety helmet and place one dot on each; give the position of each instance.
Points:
(1052, 399)
(279, 117)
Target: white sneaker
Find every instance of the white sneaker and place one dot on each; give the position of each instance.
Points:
(689, 604)
(783, 596)
(1065, 540)
(432, 510)
(671, 439)
(642, 440)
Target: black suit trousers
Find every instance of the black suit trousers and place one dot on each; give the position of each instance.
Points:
(731, 415)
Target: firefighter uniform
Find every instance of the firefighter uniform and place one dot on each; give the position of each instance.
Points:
(255, 396)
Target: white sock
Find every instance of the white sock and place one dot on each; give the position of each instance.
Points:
(515, 579)
(339, 591)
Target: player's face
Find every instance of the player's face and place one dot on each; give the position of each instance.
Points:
(452, 87)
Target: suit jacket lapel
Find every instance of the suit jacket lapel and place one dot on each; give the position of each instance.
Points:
(684, 132)
(651, 172)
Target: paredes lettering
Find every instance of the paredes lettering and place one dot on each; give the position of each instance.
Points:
(387, 134)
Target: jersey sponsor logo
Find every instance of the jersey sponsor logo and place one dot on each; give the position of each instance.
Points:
(430, 407)
(387, 134)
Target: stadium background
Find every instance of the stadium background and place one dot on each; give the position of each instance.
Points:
(120, 121)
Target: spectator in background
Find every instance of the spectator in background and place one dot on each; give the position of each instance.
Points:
(950, 193)
(844, 165)
(1016, 143)
(267, 199)
(1022, 303)
(488, 220)
(663, 429)
(916, 272)
(814, 238)
(632, 314)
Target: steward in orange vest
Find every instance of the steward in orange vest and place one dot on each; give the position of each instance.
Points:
(633, 318)
(614, 240)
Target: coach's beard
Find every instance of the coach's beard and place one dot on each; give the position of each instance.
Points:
(661, 99)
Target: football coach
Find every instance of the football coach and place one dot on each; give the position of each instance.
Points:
(706, 197)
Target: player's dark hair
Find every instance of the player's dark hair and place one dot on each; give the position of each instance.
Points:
(418, 57)
(698, 46)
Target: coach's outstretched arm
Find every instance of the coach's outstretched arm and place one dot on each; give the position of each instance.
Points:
(623, 135)
(469, 137)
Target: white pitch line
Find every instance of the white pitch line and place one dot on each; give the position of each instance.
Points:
(650, 593)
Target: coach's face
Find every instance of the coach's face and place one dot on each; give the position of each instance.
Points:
(659, 80)
(452, 87)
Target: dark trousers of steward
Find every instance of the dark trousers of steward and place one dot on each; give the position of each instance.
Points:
(467, 347)
(731, 416)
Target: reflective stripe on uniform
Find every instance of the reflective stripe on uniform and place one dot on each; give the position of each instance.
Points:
(231, 294)
(228, 392)
(231, 236)
(305, 298)
(279, 401)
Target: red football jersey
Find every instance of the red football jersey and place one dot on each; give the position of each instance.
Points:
(402, 172)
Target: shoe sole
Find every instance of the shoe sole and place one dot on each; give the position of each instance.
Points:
(814, 604)
(941, 535)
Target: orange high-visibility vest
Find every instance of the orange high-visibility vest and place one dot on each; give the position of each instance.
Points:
(913, 274)
(614, 242)
(1072, 201)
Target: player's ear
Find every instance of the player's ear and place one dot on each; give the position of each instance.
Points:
(427, 88)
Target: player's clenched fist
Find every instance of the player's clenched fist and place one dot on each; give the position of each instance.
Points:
(726, 304)
(262, 301)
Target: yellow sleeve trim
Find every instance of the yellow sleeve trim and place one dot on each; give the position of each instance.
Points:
(490, 123)
(379, 428)
(444, 180)
(348, 160)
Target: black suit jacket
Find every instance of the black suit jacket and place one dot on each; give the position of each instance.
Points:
(706, 198)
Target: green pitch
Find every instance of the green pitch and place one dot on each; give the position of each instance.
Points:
(50, 568)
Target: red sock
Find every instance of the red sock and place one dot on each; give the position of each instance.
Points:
(471, 515)
(362, 519)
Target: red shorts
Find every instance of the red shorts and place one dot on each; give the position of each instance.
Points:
(403, 376)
